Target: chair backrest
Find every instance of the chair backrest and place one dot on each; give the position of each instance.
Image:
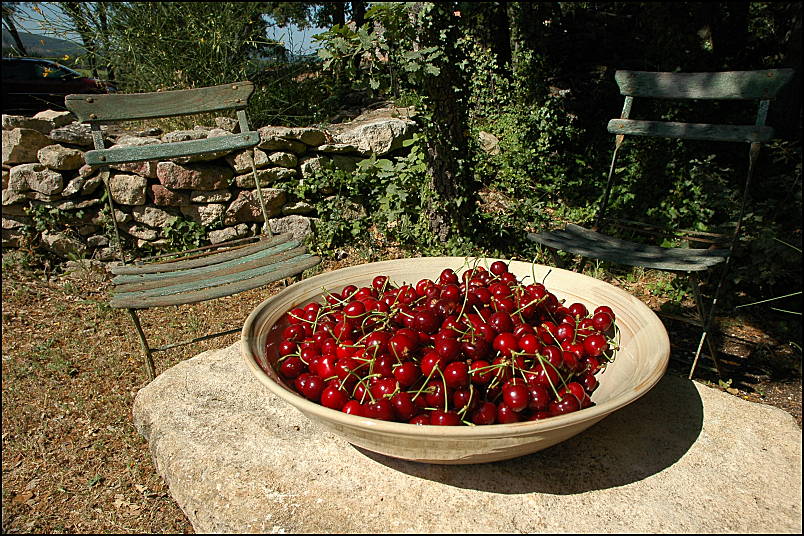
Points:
(759, 86)
(111, 108)
(97, 110)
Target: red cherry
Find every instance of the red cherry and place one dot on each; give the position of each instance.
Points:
(485, 414)
(444, 418)
(595, 344)
(333, 398)
(456, 375)
(506, 415)
(516, 396)
(498, 268)
(353, 407)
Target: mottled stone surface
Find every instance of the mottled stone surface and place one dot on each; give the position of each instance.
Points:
(682, 459)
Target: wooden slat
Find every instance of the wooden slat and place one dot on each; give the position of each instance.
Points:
(215, 258)
(207, 280)
(133, 283)
(763, 84)
(266, 275)
(127, 107)
(587, 243)
(166, 151)
(691, 131)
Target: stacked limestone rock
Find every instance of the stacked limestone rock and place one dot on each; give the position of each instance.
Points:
(43, 164)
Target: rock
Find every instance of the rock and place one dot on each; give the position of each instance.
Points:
(43, 126)
(266, 177)
(311, 165)
(86, 270)
(299, 207)
(204, 214)
(144, 169)
(128, 189)
(241, 162)
(75, 134)
(151, 216)
(210, 196)
(74, 186)
(228, 124)
(378, 131)
(184, 135)
(12, 197)
(128, 140)
(161, 196)
(62, 245)
(91, 184)
(20, 145)
(297, 226)
(240, 230)
(193, 176)
(246, 207)
(61, 158)
(269, 142)
(56, 118)
(337, 148)
(684, 458)
(37, 177)
(285, 160)
(97, 241)
(489, 142)
(141, 232)
(307, 135)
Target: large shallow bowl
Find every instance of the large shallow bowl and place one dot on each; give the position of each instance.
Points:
(640, 363)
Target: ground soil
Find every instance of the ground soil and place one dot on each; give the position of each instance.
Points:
(72, 459)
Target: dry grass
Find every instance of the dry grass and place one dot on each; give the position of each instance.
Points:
(72, 459)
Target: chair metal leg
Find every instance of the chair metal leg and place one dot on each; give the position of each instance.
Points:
(149, 361)
(705, 336)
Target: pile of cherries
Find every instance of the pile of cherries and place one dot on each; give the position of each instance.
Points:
(477, 349)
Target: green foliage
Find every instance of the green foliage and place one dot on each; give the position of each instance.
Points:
(49, 218)
(183, 234)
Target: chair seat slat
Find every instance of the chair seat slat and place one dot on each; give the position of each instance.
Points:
(216, 287)
(131, 283)
(213, 258)
(588, 243)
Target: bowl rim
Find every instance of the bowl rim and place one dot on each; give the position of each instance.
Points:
(588, 415)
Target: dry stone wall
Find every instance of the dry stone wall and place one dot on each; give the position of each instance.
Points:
(45, 178)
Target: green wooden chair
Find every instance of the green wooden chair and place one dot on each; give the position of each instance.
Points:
(756, 87)
(210, 272)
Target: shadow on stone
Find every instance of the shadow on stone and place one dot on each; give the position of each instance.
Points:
(638, 441)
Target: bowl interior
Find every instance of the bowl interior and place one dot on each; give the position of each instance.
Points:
(639, 364)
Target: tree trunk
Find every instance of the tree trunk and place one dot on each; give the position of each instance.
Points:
(447, 145)
(12, 29)
(358, 13)
(79, 19)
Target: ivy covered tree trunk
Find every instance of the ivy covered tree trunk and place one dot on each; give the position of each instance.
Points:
(447, 154)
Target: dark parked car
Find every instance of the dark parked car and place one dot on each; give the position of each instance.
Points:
(34, 84)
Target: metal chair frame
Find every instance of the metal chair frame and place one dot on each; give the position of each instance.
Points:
(198, 274)
(755, 86)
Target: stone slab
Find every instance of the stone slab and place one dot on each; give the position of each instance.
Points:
(685, 458)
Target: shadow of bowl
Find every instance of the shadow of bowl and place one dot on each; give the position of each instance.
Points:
(638, 441)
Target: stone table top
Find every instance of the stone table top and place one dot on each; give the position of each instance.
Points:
(684, 458)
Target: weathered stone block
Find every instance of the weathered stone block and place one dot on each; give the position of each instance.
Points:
(161, 196)
(37, 177)
(128, 189)
(20, 145)
(204, 214)
(193, 176)
(61, 158)
(266, 177)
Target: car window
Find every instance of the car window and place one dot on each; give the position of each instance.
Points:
(19, 70)
(52, 72)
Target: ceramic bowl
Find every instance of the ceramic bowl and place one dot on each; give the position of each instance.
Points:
(638, 366)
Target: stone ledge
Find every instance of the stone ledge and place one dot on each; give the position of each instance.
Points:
(684, 458)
